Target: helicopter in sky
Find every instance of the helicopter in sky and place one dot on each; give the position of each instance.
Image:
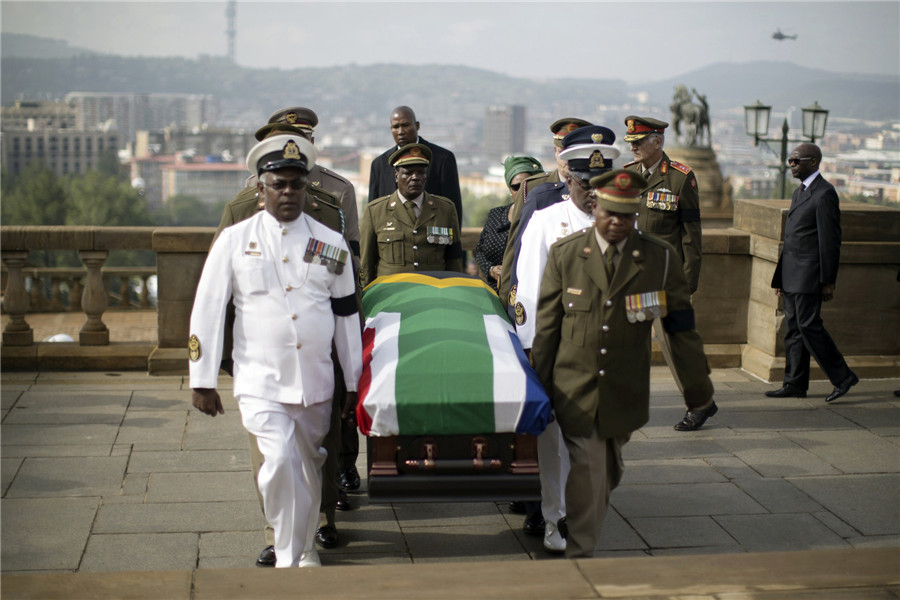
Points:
(778, 35)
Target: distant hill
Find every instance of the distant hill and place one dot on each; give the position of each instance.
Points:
(32, 46)
(782, 85)
(29, 73)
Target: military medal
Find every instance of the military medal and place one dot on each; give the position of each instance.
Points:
(440, 235)
(662, 199)
(331, 257)
(646, 306)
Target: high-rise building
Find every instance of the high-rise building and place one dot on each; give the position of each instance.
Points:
(504, 131)
(63, 151)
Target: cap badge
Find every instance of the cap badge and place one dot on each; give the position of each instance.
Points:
(597, 160)
(291, 118)
(570, 128)
(623, 181)
(630, 123)
(291, 150)
(597, 137)
(415, 152)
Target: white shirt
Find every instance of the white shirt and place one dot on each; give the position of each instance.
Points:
(544, 228)
(284, 323)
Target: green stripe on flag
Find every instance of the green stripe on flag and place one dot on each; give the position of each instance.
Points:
(444, 380)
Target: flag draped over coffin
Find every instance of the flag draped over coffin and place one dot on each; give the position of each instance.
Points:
(440, 357)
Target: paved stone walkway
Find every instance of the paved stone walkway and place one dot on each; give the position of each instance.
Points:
(115, 473)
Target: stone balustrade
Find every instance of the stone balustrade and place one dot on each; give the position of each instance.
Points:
(737, 313)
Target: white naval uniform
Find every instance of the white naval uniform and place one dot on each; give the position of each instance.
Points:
(545, 227)
(283, 373)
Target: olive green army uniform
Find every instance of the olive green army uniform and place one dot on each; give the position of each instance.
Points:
(390, 242)
(592, 355)
(321, 206)
(670, 209)
(345, 194)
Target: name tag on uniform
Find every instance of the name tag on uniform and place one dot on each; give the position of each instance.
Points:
(646, 306)
(662, 199)
(440, 235)
(252, 250)
(331, 257)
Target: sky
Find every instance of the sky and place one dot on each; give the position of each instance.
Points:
(634, 41)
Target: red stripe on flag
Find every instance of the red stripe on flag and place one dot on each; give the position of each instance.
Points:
(363, 420)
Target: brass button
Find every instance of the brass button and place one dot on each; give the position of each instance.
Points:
(285, 259)
(604, 328)
(415, 247)
(602, 373)
(293, 317)
(288, 288)
(609, 302)
(284, 232)
(602, 350)
(298, 346)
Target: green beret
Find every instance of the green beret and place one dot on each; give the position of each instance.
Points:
(514, 165)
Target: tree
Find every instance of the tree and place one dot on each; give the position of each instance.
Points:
(98, 199)
(34, 197)
(190, 211)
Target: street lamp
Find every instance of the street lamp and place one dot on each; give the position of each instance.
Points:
(756, 125)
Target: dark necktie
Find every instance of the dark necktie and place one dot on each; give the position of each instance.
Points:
(610, 261)
(411, 209)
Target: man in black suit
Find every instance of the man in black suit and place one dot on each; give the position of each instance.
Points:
(805, 277)
(441, 179)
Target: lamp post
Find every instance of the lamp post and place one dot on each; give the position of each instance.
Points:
(756, 125)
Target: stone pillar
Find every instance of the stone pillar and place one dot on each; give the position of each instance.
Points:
(94, 300)
(15, 302)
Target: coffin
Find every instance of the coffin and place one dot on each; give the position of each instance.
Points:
(447, 398)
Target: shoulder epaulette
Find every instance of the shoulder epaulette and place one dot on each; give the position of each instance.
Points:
(655, 240)
(680, 167)
(323, 195)
(631, 164)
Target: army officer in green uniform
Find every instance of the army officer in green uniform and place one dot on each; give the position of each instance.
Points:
(410, 230)
(670, 203)
(600, 292)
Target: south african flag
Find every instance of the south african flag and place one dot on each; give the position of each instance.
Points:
(440, 357)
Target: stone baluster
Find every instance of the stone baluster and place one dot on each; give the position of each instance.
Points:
(94, 300)
(145, 293)
(15, 302)
(37, 292)
(124, 292)
(56, 304)
(75, 295)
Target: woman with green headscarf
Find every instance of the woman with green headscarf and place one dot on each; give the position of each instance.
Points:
(489, 251)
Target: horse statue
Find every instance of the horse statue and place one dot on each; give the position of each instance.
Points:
(695, 117)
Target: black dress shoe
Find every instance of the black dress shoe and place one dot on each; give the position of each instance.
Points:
(563, 526)
(843, 388)
(694, 419)
(787, 391)
(350, 479)
(343, 502)
(327, 536)
(534, 524)
(517, 507)
(266, 557)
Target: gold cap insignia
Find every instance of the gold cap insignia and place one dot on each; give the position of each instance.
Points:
(630, 123)
(415, 152)
(597, 160)
(291, 150)
(623, 181)
(291, 118)
(194, 348)
(597, 137)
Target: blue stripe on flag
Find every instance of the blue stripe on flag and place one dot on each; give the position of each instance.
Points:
(536, 411)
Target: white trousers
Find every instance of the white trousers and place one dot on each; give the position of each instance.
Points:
(290, 439)
(553, 459)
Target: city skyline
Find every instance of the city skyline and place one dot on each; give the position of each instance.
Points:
(637, 42)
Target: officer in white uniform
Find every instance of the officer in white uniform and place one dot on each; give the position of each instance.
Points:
(294, 292)
(586, 157)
